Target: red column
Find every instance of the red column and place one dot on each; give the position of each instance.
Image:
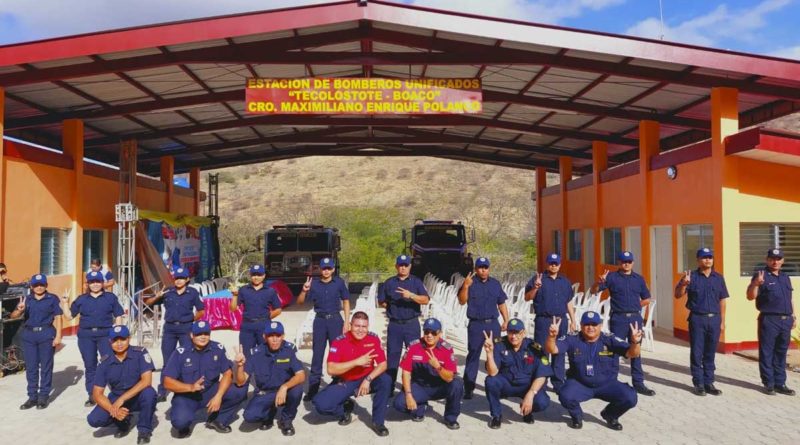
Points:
(167, 174)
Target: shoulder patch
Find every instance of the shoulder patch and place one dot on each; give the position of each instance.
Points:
(573, 333)
(104, 357)
(254, 351)
(563, 337)
(373, 334)
(342, 337)
(219, 345)
(545, 361)
(446, 345)
(498, 339)
(289, 345)
(416, 341)
(180, 349)
(619, 339)
(147, 358)
(536, 346)
(138, 348)
(608, 334)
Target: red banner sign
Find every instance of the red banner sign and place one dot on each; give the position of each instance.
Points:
(363, 96)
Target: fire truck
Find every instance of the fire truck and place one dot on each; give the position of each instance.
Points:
(439, 247)
(292, 252)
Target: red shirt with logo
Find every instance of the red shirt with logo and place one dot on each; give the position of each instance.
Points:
(416, 361)
(346, 348)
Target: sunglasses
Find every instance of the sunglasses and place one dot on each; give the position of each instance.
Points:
(482, 267)
(591, 324)
(626, 262)
(430, 332)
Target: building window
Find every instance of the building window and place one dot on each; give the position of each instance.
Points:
(92, 247)
(575, 245)
(695, 236)
(54, 258)
(756, 239)
(557, 241)
(612, 245)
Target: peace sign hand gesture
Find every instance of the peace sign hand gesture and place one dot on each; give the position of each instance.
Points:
(760, 278)
(366, 359)
(406, 294)
(538, 283)
(468, 279)
(488, 343)
(240, 358)
(555, 327)
(432, 360)
(636, 333)
(687, 277)
(603, 276)
(21, 304)
(307, 285)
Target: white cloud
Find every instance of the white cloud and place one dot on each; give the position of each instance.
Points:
(791, 52)
(713, 27)
(540, 11)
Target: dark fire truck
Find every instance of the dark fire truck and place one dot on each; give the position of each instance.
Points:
(292, 252)
(439, 247)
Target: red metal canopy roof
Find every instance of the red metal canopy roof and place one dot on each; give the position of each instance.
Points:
(178, 88)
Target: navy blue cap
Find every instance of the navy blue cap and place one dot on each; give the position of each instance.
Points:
(482, 262)
(257, 269)
(432, 324)
(273, 327)
(118, 331)
(775, 253)
(327, 263)
(705, 252)
(39, 278)
(591, 317)
(625, 255)
(94, 276)
(201, 327)
(180, 273)
(402, 260)
(554, 258)
(516, 325)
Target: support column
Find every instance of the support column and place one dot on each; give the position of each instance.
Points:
(599, 165)
(565, 175)
(649, 146)
(72, 144)
(541, 183)
(167, 177)
(2, 176)
(724, 122)
(194, 183)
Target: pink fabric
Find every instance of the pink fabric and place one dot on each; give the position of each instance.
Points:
(219, 315)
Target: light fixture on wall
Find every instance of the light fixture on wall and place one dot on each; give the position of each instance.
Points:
(672, 172)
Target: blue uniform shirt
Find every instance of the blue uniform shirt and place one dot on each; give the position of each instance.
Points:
(483, 298)
(593, 364)
(187, 365)
(39, 313)
(626, 291)
(523, 366)
(399, 308)
(179, 306)
(328, 297)
(704, 293)
(120, 376)
(553, 297)
(775, 295)
(97, 312)
(258, 303)
(271, 369)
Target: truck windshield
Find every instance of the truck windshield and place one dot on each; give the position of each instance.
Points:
(439, 236)
(314, 242)
(281, 242)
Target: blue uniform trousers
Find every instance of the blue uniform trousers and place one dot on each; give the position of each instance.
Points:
(38, 352)
(475, 340)
(620, 325)
(251, 334)
(452, 392)
(620, 397)
(262, 406)
(173, 336)
(330, 401)
(704, 332)
(774, 333)
(398, 335)
(144, 402)
(325, 330)
(92, 342)
(498, 387)
(185, 405)
(541, 330)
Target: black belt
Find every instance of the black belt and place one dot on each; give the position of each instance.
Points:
(627, 314)
(37, 328)
(325, 315)
(771, 314)
(398, 321)
(705, 314)
(550, 315)
(177, 323)
(253, 320)
(482, 320)
(95, 329)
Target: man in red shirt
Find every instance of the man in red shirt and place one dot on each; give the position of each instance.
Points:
(358, 365)
(429, 373)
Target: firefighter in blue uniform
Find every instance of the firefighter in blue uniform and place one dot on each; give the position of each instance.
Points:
(277, 375)
(201, 377)
(772, 290)
(402, 296)
(41, 333)
(551, 293)
(261, 304)
(484, 298)
(329, 294)
(593, 368)
(429, 373)
(128, 372)
(706, 292)
(99, 310)
(181, 302)
(629, 293)
(516, 367)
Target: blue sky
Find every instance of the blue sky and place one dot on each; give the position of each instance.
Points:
(755, 26)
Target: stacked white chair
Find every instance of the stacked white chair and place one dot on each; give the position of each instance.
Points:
(648, 342)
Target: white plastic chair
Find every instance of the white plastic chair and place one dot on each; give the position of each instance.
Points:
(648, 343)
(604, 309)
(306, 327)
